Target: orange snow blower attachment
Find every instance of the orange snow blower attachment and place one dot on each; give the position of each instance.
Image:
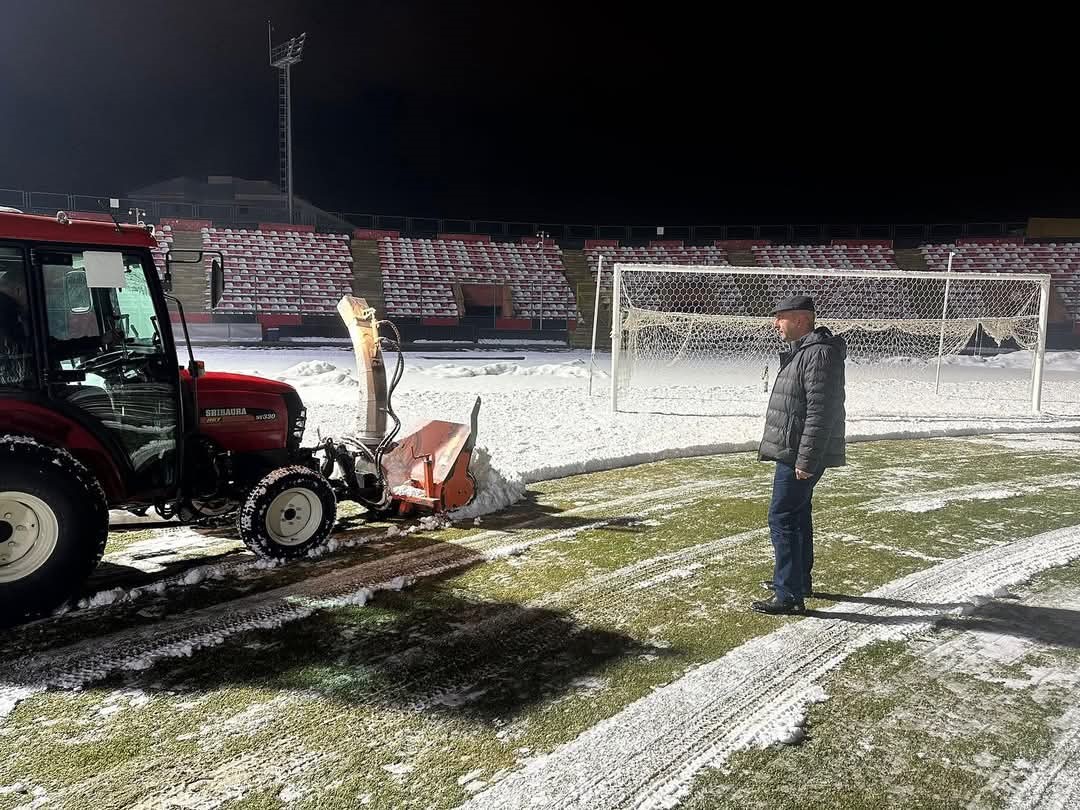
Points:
(429, 468)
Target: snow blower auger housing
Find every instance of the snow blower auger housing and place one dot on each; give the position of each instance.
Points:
(428, 469)
(97, 413)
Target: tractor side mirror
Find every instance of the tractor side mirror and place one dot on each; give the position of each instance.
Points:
(217, 283)
(76, 293)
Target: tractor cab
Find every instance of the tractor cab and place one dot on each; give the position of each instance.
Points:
(109, 357)
(86, 351)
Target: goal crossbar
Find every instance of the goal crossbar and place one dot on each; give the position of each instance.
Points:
(722, 270)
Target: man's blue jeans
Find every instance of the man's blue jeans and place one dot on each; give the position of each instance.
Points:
(792, 528)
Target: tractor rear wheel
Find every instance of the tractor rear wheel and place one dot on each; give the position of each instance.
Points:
(289, 512)
(54, 521)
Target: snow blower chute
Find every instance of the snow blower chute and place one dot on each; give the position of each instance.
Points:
(429, 468)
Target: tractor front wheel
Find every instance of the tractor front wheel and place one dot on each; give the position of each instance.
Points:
(289, 512)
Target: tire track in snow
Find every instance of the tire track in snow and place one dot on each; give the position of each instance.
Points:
(422, 672)
(138, 648)
(647, 755)
(534, 628)
(79, 664)
(516, 633)
(615, 583)
(198, 573)
(93, 659)
(1055, 782)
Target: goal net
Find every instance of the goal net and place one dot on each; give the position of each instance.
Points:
(700, 339)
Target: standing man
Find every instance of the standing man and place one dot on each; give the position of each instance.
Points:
(804, 434)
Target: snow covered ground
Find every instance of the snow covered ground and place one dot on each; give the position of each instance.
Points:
(591, 648)
(538, 420)
(647, 755)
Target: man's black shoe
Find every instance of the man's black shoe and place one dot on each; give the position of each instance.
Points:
(779, 607)
(769, 585)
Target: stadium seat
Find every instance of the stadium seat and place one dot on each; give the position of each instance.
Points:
(653, 255)
(1060, 260)
(419, 274)
(284, 271)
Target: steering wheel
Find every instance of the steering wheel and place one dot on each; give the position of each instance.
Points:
(103, 361)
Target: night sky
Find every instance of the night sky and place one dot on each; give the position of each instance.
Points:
(577, 112)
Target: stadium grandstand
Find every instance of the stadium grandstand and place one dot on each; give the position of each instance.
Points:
(464, 280)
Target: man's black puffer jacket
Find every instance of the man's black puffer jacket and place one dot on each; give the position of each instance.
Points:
(804, 425)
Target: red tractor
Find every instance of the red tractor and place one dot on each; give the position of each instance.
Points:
(97, 413)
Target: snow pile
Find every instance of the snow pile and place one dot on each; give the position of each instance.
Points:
(789, 727)
(195, 575)
(1021, 360)
(309, 368)
(572, 369)
(494, 490)
(317, 373)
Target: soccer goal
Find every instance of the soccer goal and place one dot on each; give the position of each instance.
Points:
(700, 339)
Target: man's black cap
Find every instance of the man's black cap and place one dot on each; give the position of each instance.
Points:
(795, 302)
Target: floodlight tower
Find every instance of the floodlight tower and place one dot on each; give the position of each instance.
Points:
(283, 57)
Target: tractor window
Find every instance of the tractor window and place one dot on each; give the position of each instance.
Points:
(106, 357)
(83, 321)
(69, 303)
(137, 305)
(16, 359)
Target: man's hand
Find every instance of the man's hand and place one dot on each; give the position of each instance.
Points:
(802, 475)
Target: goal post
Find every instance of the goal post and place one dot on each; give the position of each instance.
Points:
(681, 332)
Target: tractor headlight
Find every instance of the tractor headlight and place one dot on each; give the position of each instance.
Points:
(298, 427)
(297, 414)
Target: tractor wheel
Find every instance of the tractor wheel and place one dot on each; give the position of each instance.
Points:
(288, 513)
(54, 521)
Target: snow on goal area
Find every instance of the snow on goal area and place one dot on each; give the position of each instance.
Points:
(700, 339)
